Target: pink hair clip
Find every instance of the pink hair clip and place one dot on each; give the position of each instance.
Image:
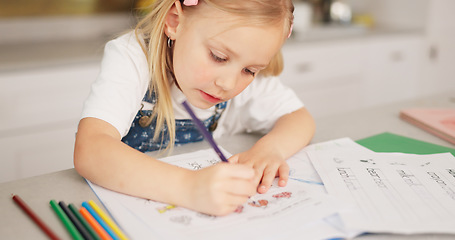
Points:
(190, 2)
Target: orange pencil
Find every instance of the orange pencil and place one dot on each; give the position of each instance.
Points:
(96, 226)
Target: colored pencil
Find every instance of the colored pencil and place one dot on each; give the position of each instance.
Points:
(86, 235)
(66, 221)
(96, 226)
(204, 131)
(100, 221)
(18, 200)
(108, 220)
(84, 222)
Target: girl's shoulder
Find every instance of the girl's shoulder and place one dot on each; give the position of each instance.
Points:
(126, 50)
(126, 42)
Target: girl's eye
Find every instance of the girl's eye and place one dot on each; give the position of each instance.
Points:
(248, 71)
(216, 58)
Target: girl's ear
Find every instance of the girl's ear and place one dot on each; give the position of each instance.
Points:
(173, 19)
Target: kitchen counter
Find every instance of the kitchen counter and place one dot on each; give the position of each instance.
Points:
(26, 54)
(336, 32)
(16, 57)
(28, 43)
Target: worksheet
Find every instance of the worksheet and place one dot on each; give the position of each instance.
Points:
(390, 192)
(276, 214)
(301, 168)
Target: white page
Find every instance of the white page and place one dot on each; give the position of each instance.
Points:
(391, 192)
(302, 170)
(280, 211)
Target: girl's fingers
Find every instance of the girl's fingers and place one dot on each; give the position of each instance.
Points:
(244, 188)
(267, 179)
(236, 200)
(234, 159)
(259, 172)
(227, 170)
(239, 171)
(269, 175)
(283, 171)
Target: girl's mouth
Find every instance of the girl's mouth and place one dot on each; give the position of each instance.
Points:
(209, 97)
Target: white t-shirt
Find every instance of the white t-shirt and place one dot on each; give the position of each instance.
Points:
(116, 95)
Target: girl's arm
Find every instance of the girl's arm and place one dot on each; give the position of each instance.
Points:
(102, 158)
(268, 156)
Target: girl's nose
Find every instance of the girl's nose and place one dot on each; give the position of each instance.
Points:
(226, 82)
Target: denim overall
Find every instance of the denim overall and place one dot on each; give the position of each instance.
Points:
(141, 138)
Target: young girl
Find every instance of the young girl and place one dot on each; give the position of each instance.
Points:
(221, 57)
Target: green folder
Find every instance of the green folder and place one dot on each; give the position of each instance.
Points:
(389, 142)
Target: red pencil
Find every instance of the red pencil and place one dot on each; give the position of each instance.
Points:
(35, 217)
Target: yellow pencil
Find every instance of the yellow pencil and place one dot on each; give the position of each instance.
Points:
(108, 220)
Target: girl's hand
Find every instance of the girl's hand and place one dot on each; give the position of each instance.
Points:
(220, 189)
(290, 133)
(267, 164)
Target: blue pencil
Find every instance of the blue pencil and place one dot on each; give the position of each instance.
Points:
(100, 221)
(204, 131)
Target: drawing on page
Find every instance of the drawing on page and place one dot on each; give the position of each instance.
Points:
(166, 208)
(205, 216)
(308, 181)
(213, 161)
(397, 163)
(451, 172)
(282, 195)
(239, 209)
(259, 203)
(292, 171)
(425, 164)
(358, 193)
(369, 160)
(307, 177)
(145, 201)
(184, 220)
(443, 183)
(162, 217)
(391, 195)
(423, 194)
(195, 165)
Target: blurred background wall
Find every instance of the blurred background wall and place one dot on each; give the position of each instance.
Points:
(29, 8)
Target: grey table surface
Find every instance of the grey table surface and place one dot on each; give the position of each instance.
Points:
(68, 186)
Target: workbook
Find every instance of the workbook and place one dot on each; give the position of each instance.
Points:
(440, 122)
(336, 189)
(281, 213)
(391, 192)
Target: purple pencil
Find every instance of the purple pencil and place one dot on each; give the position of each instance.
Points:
(204, 131)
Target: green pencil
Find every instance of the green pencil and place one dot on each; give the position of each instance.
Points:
(84, 222)
(66, 221)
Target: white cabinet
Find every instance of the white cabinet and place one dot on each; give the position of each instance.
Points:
(338, 76)
(439, 74)
(40, 110)
(40, 96)
(326, 75)
(393, 68)
(37, 152)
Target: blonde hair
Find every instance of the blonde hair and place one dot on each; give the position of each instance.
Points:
(151, 30)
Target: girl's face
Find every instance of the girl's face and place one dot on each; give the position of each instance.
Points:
(215, 60)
